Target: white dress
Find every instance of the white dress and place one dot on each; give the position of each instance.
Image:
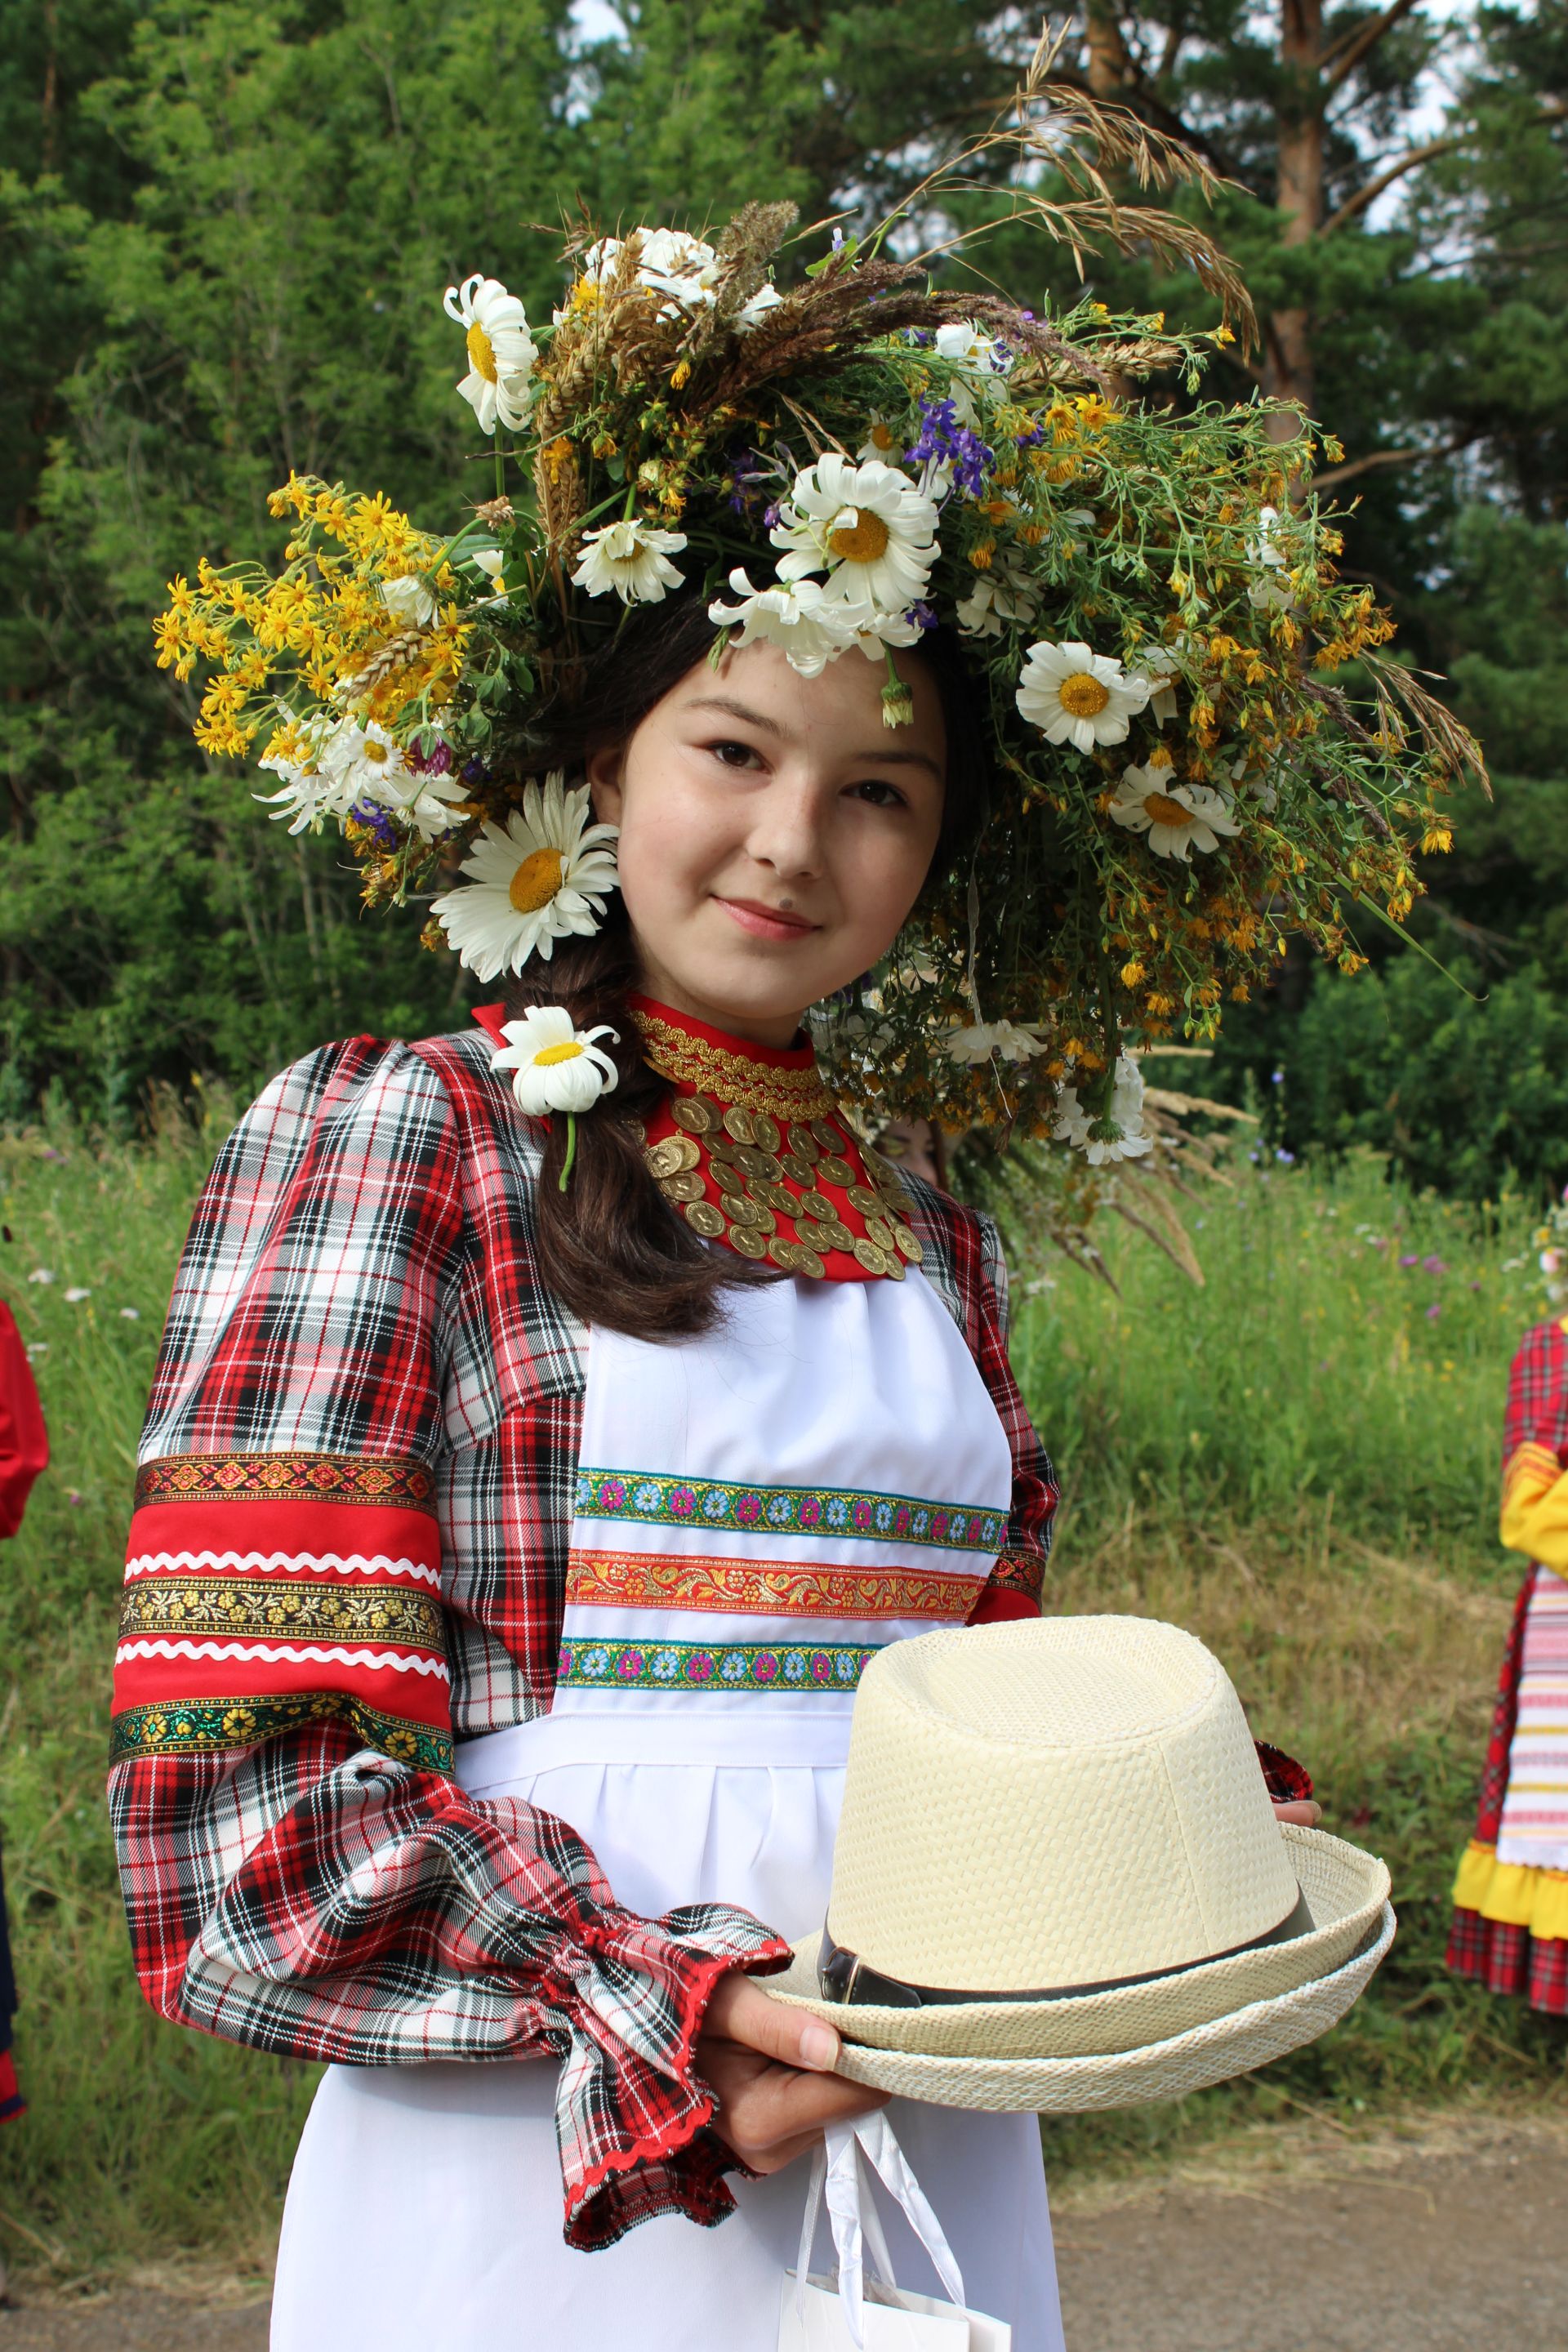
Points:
(715, 1627)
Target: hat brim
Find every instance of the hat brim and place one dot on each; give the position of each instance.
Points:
(1142, 2041)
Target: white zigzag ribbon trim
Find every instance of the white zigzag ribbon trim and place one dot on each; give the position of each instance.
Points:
(284, 1652)
(324, 1563)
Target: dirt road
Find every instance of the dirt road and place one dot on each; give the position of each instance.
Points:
(1450, 2237)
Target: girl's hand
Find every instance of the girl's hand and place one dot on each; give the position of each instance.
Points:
(1305, 1813)
(770, 2068)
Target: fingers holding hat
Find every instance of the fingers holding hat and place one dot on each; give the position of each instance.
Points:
(770, 2069)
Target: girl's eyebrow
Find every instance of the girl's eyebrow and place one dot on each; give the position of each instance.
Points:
(737, 711)
(880, 758)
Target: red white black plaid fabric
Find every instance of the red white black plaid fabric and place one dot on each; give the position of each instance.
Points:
(1510, 1959)
(354, 1502)
(1537, 1412)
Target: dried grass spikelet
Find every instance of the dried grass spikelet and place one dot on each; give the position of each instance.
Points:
(583, 347)
(563, 498)
(393, 655)
(745, 249)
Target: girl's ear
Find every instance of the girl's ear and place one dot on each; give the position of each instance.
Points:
(603, 772)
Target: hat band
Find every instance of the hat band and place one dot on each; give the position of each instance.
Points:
(845, 1977)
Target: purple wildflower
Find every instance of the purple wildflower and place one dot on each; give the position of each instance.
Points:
(430, 763)
(1434, 1265)
(476, 771)
(1032, 438)
(948, 443)
(923, 615)
(771, 514)
(1410, 1261)
(1433, 1310)
(374, 818)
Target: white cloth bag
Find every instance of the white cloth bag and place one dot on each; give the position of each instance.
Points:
(857, 2315)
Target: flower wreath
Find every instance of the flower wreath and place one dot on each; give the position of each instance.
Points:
(1197, 743)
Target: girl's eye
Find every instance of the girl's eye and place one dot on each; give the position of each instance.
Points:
(734, 755)
(880, 793)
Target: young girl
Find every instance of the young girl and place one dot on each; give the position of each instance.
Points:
(379, 1357)
(552, 1419)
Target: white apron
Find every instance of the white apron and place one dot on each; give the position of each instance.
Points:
(714, 1631)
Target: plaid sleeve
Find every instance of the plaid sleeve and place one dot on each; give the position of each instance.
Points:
(300, 1870)
(1534, 1518)
(965, 1260)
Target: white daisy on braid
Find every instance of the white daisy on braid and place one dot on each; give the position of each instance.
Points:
(1177, 818)
(540, 878)
(1078, 697)
(555, 1066)
(630, 557)
(869, 527)
(501, 352)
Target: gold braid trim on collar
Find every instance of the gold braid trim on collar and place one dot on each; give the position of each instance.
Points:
(732, 1078)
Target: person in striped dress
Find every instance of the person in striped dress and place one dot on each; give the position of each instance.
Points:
(1510, 1896)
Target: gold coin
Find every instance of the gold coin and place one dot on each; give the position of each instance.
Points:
(688, 1186)
(741, 1211)
(757, 1163)
(804, 1144)
(815, 1236)
(777, 1196)
(896, 1195)
(704, 1218)
(726, 1172)
(694, 1114)
(817, 1204)
(809, 1263)
(861, 1197)
(785, 1255)
(842, 1237)
(833, 1170)
(874, 1260)
(764, 1131)
(674, 1156)
(639, 1131)
(747, 1240)
(798, 1169)
(827, 1135)
(908, 1245)
(880, 1230)
(897, 1269)
(738, 1123)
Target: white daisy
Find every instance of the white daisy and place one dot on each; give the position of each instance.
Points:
(1271, 591)
(631, 558)
(409, 600)
(868, 526)
(882, 445)
(798, 615)
(501, 352)
(1004, 593)
(963, 340)
(311, 792)
(365, 767)
(1177, 818)
(489, 560)
(873, 630)
(752, 313)
(1075, 1125)
(538, 880)
(1078, 696)
(1160, 664)
(555, 1065)
(1004, 1039)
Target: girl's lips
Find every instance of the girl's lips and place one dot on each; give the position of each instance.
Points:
(767, 922)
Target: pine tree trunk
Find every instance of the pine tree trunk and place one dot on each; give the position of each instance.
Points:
(1288, 359)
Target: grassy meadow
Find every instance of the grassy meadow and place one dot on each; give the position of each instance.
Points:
(1297, 1460)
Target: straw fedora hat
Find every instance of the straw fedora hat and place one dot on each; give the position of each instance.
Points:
(1058, 1883)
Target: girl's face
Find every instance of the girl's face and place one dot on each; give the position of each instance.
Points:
(774, 833)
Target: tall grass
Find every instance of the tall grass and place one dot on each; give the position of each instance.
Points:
(1298, 1461)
